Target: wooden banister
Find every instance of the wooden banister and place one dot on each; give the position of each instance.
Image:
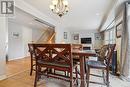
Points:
(42, 35)
(51, 38)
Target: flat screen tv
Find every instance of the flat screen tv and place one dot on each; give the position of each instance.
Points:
(86, 40)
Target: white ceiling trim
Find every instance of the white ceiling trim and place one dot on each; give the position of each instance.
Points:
(33, 11)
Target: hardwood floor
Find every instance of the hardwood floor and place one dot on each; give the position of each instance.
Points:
(19, 80)
(16, 66)
(19, 76)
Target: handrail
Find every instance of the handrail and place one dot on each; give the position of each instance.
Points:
(42, 35)
(52, 36)
(48, 34)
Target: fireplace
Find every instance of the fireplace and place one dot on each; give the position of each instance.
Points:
(86, 48)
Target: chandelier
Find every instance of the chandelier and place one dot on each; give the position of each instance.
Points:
(59, 7)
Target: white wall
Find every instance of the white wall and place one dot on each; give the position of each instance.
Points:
(59, 33)
(18, 46)
(3, 33)
(27, 38)
(15, 44)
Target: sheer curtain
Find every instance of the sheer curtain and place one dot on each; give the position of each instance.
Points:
(127, 16)
(110, 36)
(125, 47)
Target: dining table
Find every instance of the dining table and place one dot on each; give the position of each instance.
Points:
(83, 54)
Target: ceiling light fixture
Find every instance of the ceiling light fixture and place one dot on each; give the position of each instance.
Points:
(59, 7)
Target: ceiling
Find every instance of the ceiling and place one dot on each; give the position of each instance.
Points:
(83, 14)
(26, 19)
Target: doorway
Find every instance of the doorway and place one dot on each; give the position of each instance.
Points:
(23, 29)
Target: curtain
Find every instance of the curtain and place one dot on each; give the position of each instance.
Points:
(125, 44)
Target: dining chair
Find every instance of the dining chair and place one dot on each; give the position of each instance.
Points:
(101, 53)
(56, 57)
(76, 47)
(103, 65)
(76, 58)
(33, 60)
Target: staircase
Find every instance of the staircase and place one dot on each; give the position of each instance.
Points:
(47, 37)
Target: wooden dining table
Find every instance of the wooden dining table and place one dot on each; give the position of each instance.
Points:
(82, 55)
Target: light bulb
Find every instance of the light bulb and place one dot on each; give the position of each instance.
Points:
(65, 2)
(54, 2)
(67, 9)
(57, 10)
(52, 7)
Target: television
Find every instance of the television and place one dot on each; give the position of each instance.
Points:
(86, 40)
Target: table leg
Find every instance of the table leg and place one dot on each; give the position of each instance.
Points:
(82, 72)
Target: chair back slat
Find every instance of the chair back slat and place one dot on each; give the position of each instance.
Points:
(102, 52)
(31, 50)
(54, 53)
(110, 52)
(112, 47)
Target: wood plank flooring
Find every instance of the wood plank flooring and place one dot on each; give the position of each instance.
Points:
(21, 78)
(16, 66)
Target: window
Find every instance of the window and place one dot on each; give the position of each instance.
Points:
(110, 36)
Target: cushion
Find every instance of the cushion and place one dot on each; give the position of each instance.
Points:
(95, 64)
(54, 64)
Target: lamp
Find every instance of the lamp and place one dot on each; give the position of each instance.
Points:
(59, 7)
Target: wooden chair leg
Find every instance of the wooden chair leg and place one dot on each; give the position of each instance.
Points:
(31, 72)
(39, 76)
(107, 78)
(54, 71)
(71, 79)
(47, 72)
(88, 75)
(36, 77)
(76, 71)
(67, 73)
(31, 67)
(85, 65)
(103, 75)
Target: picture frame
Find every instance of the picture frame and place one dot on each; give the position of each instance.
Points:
(76, 36)
(65, 35)
(97, 36)
(119, 28)
(16, 35)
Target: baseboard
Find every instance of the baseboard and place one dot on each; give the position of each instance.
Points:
(2, 77)
(18, 58)
(27, 56)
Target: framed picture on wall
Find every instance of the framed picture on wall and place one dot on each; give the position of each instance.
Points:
(15, 35)
(65, 35)
(97, 36)
(76, 36)
(119, 28)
